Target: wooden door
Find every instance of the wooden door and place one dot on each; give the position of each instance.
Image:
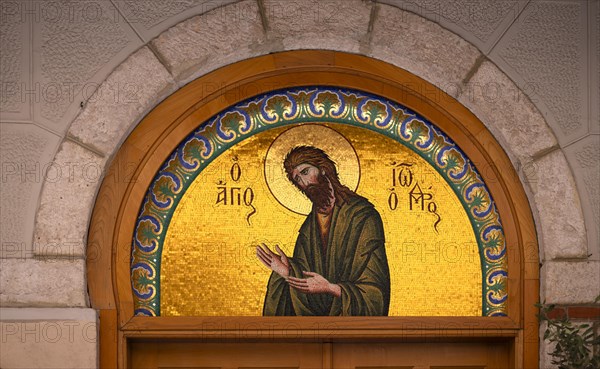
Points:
(224, 355)
(491, 355)
(195, 355)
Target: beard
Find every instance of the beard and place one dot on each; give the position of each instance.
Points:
(319, 193)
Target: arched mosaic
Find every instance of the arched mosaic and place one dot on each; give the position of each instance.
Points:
(320, 106)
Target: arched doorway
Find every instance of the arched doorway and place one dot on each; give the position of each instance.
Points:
(512, 338)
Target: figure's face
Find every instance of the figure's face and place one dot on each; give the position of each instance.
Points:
(305, 175)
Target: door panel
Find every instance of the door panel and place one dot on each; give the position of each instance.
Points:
(227, 355)
(490, 355)
(195, 355)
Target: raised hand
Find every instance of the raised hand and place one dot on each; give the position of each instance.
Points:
(277, 263)
(315, 283)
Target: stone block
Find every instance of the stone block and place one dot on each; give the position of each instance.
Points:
(340, 25)
(201, 44)
(151, 17)
(558, 206)
(24, 149)
(422, 47)
(15, 35)
(571, 282)
(58, 282)
(507, 113)
(594, 77)
(481, 23)
(49, 338)
(584, 157)
(67, 201)
(121, 101)
(545, 52)
(76, 45)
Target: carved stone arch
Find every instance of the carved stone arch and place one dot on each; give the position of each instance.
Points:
(102, 253)
(161, 131)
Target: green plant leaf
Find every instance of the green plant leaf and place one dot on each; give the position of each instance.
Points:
(576, 345)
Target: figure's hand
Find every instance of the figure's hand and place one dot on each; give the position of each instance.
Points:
(315, 283)
(277, 263)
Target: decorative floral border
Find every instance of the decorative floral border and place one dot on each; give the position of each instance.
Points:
(303, 105)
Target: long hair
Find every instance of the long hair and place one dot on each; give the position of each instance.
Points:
(318, 158)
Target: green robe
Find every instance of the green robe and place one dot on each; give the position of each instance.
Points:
(354, 258)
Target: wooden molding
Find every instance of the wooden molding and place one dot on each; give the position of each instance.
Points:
(140, 156)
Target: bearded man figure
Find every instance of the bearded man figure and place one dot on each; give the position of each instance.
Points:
(339, 266)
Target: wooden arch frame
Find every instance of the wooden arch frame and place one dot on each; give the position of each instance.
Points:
(135, 164)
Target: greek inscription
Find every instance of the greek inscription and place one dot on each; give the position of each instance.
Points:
(236, 195)
(403, 178)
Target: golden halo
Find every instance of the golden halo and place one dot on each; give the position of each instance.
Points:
(332, 142)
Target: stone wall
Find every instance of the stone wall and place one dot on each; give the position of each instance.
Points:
(77, 76)
(48, 338)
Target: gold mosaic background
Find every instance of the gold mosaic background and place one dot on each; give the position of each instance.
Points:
(209, 267)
